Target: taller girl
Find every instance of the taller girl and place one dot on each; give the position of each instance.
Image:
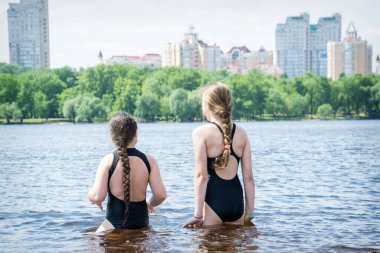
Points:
(219, 147)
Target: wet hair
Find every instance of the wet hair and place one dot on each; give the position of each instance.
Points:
(218, 98)
(123, 129)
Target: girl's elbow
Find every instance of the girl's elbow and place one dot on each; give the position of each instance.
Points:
(200, 178)
(160, 197)
(163, 196)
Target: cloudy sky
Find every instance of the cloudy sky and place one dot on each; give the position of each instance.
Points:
(80, 28)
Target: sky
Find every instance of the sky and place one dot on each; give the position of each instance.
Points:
(80, 28)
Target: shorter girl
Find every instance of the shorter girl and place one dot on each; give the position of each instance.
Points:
(125, 175)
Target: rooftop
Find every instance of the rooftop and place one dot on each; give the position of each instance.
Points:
(242, 49)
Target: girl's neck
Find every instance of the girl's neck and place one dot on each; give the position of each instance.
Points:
(215, 118)
(132, 144)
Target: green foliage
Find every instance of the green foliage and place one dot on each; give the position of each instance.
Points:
(98, 92)
(9, 111)
(147, 106)
(8, 88)
(325, 111)
(84, 109)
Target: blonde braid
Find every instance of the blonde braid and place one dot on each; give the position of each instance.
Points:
(219, 100)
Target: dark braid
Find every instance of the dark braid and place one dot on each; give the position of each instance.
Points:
(219, 100)
(123, 128)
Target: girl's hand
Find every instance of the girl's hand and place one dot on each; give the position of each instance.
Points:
(151, 208)
(99, 205)
(194, 223)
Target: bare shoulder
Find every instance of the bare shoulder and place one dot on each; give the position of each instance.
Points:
(201, 130)
(241, 135)
(240, 131)
(108, 158)
(106, 162)
(151, 160)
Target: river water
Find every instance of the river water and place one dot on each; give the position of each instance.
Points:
(317, 189)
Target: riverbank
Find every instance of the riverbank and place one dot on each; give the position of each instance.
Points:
(265, 117)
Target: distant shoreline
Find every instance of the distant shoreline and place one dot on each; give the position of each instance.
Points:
(264, 119)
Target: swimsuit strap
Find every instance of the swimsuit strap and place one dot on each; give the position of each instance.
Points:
(233, 131)
(220, 129)
(130, 152)
(232, 137)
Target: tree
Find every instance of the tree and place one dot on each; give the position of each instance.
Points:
(276, 103)
(179, 106)
(97, 80)
(67, 75)
(8, 88)
(10, 111)
(83, 108)
(297, 105)
(40, 105)
(147, 106)
(165, 107)
(194, 105)
(69, 109)
(126, 92)
(325, 111)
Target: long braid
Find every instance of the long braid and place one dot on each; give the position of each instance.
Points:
(125, 179)
(123, 128)
(219, 100)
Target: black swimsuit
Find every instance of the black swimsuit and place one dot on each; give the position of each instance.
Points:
(225, 197)
(138, 211)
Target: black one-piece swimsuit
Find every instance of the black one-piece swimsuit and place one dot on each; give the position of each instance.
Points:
(225, 197)
(137, 211)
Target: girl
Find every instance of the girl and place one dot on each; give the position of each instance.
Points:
(219, 147)
(125, 175)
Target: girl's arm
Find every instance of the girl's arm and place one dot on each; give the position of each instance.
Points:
(249, 183)
(98, 193)
(156, 185)
(200, 177)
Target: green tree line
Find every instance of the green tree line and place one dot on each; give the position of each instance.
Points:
(171, 93)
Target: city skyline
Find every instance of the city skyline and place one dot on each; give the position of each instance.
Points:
(140, 27)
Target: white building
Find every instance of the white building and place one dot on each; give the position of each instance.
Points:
(192, 52)
(28, 29)
(242, 60)
(148, 60)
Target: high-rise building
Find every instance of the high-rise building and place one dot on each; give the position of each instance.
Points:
(192, 52)
(28, 28)
(378, 65)
(292, 46)
(352, 55)
(327, 29)
(302, 47)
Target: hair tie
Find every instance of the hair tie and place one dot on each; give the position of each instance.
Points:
(227, 147)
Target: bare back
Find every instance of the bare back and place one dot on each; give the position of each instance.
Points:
(214, 147)
(139, 178)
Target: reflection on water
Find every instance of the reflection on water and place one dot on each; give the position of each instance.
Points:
(318, 189)
(217, 238)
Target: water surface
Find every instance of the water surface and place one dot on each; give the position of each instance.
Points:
(317, 189)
